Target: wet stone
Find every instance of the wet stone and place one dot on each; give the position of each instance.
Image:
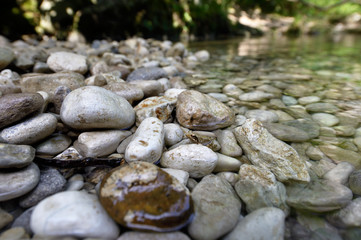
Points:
(287, 133)
(354, 182)
(309, 126)
(325, 119)
(141, 196)
(147, 73)
(262, 115)
(15, 155)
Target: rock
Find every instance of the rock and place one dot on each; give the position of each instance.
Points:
(325, 119)
(232, 90)
(178, 49)
(5, 218)
(147, 73)
(72, 213)
(322, 108)
(195, 159)
(149, 87)
(322, 167)
(124, 144)
(128, 91)
(173, 92)
(172, 134)
(314, 153)
(258, 188)
(256, 96)
(354, 182)
(16, 233)
(14, 107)
(318, 196)
(288, 100)
(6, 57)
(54, 145)
(17, 156)
(75, 183)
(227, 164)
(199, 111)
(134, 235)
(202, 55)
(31, 130)
(228, 142)
(99, 143)
(298, 90)
(147, 143)
(264, 150)
(347, 217)
(94, 107)
(17, 182)
(67, 61)
(297, 111)
(308, 100)
(180, 175)
(338, 154)
(230, 177)
(271, 219)
(287, 133)
(345, 131)
(141, 196)
(309, 126)
(26, 56)
(217, 208)
(262, 115)
(59, 95)
(51, 182)
(340, 173)
(159, 107)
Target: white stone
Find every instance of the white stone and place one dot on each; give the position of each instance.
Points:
(340, 173)
(228, 142)
(202, 55)
(72, 213)
(165, 83)
(172, 134)
(66, 61)
(262, 115)
(219, 96)
(147, 143)
(308, 100)
(255, 96)
(173, 92)
(180, 175)
(325, 119)
(196, 159)
(226, 163)
(349, 216)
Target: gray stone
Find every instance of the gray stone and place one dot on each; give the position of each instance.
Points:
(354, 182)
(59, 95)
(24, 220)
(54, 144)
(5, 218)
(322, 167)
(219, 96)
(297, 111)
(228, 142)
(17, 233)
(172, 134)
(226, 163)
(262, 115)
(314, 153)
(232, 90)
(322, 108)
(149, 87)
(288, 100)
(256, 96)
(153, 236)
(340, 173)
(347, 217)
(345, 131)
(308, 100)
(217, 208)
(147, 73)
(287, 133)
(309, 126)
(26, 56)
(325, 119)
(16, 155)
(6, 57)
(128, 91)
(67, 61)
(230, 177)
(338, 154)
(298, 90)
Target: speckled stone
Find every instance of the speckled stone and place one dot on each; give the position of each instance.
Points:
(18, 156)
(141, 196)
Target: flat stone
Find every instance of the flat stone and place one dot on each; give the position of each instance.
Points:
(271, 219)
(347, 217)
(67, 61)
(322, 167)
(308, 100)
(195, 159)
(298, 90)
(147, 143)
(99, 143)
(147, 73)
(14, 107)
(51, 182)
(325, 119)
(217, 208)
(17, 156)
(232, 90)
(287, 133)
(6, 57)
(141, 196)
(219, 96)
(256, 96)
(338, 155)
(17, 182)
(264, 150)
(340, 173)
(354, 182)
(309, 126)
(54, 144)
(172, 134)
(199, 111)
(262, 115)
(72, 213)
(345, 131)
(94, 107)
(322, 108)
(228, 142)
(31, 130)
(153, 236)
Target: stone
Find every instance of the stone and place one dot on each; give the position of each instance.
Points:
(228, 142)
(287, 133)
(219, 96)
(338, 155)
(308, 100)
(94, 107)
(258, 188)
(345, 131)
(67, 61)
(271, 219)
(256, 96)
(297, 111)
(347, 217)
(325, 119)
(318, 196)
(14, 107)
(298, 90)
(230, 177)
(99, 143)
(6, 57)
(147, 143)
(16, 156)
(124, 144)
(17, 182)
(147, 73)
(135, 235)
(149, 87)
(195, 159)
(180, 175)
(322, 166)
(159, 107)
(288, 100)
(202, 55)
(128, 91)
(31, 130)
(5, 218)
(264, 150)
(172, 134)
(72, 213)
(227, 164)
(141, 196)
(309, 126)
(59, 95)
(232, 90)
(199, 111)
(322, 108)
(340, 173)
(173, 92)
(262, 115)
(314, 153)
(178, 49)
(217, 208)
(17, 233)
(354, 182)
(55, 144)
(27, 55)
(51, 182)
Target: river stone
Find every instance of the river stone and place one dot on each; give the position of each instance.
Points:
(338, 155)
(17, 182)
(262, 115)
(256, 96)
(173, 92)
(202, 55)
(195, 159)
(54, 144)
(16, 156)
(159, 107)
(340, 173)
(139, 195)
(51, 182)
(298, 90)
(172, 134)
(288, 100)
(27, 55)
(14, 107)
(199, 111)
(34, 82)
(264, 150)
(217, 208)
(95, 107)
(31, 130)
(99, 143)
(322, 108)
(228, 142)
(347, 217)
(180, 175)
(354, 182)
(308, 100)
(232, 90)
(149, 87)
(128, 91)
(72, 213)
(177, 50)
(135, 235)
(318, 196)
(297, 111)
(67, 61)
(345, 131)
(309, 126)
(287, 133)
(147, 73)
(264, 223)
(23, 220)
(6, 57)
(258, 188)
(17, 233)
(5, 218)
(227, 164)
(325, 119)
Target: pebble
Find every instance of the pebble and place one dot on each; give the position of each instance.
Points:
(309, 126)
(232, 90)
(219, 96)
(5, 218)
(287, 133)
(195, 159)
(340, 173)
(172, 134)
(31, 130)
(230, 177)
(147, 73)
(147, 143)
(217, 208)
(75, 183)
(6, 57)
(16, 156)
(173, 92)
(202, 55)
(17, 182)
(72, 213)
(16, 233)
(228, 142)
(288, 100)
(256, 96)
(308, 100)
(128, 91)
(354, 182)
(226, 164)
(198, 111)
(347, 217)
(338, 154)
(66, 61)
(262, 115)
(264, 223)
(325, 119)
(94, 107)
(135, 235)
(141, 196)
(322, 108)
(23, 220)
(149, 87)
(180, 175)
(55, 144)
(264, 150)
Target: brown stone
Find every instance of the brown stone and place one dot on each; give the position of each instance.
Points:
(141, 196)
(14, 107)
